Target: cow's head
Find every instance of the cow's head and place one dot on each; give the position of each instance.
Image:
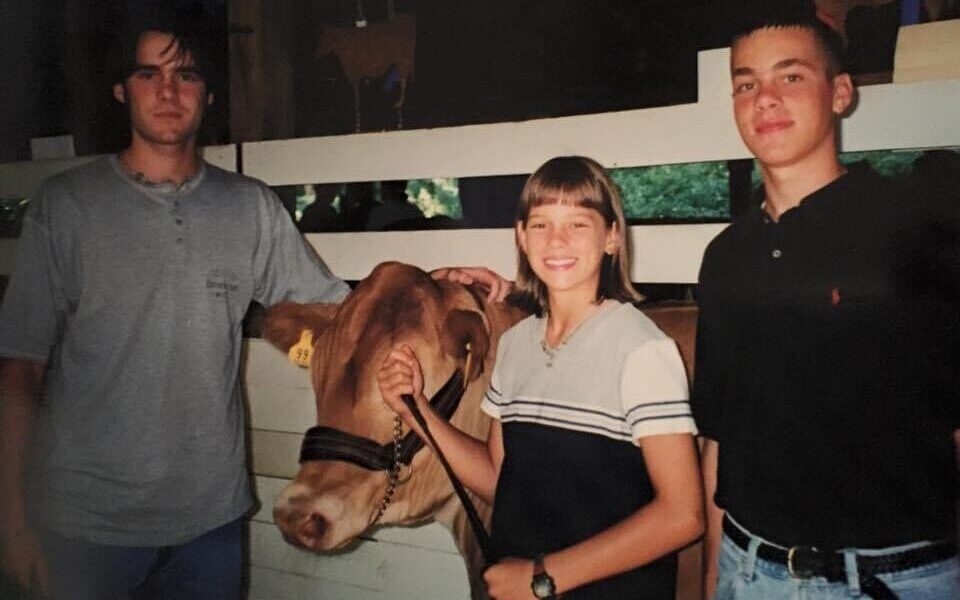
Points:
(331, 501)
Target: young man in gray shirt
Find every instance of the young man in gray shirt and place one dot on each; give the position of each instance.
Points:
(124, 314)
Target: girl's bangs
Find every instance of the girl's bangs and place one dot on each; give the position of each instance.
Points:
(583, 195)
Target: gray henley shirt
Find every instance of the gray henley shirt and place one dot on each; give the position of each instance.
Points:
(133, 295)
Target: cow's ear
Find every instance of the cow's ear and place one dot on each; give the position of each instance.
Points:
(463, 327)
(284, 323)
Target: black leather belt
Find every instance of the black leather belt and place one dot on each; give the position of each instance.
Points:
(805, 562)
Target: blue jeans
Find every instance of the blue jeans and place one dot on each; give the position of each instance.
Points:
(743, 576)
(206, 568)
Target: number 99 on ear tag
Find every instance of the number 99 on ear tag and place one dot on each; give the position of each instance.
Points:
(301, 352)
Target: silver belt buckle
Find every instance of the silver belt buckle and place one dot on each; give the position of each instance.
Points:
(800, 571)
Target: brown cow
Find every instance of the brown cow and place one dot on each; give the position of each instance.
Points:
(331, 502)
(371, 51)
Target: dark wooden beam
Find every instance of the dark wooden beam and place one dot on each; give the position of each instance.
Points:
(262, 91)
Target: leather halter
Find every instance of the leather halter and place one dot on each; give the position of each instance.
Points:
(328, 443)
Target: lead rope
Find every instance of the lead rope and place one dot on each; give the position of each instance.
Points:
(476, 524)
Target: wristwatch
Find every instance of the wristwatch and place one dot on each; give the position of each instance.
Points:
(542, 584)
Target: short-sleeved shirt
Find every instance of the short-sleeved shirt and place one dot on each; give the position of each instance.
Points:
(827, 370)
(133, 295)
(571, 466)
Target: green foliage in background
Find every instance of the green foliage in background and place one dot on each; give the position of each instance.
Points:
(688, 191)
(890, 163)
(436, 197)
(692, 191)
(886, 162)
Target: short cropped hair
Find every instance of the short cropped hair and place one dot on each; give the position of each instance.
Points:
(188, 37)
(829, 40)
(579, 181)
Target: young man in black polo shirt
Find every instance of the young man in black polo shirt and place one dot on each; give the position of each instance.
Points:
(826, 383)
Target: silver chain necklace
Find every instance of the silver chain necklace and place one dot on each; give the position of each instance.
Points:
(552, 351)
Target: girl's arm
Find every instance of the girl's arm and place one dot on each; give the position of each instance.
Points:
(476, 464)
(671, 521)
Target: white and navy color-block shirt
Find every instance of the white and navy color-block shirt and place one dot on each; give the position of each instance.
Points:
(618, 376)
(571, 466)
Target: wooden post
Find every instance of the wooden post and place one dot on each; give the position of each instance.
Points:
(262, 91)
(246, 73)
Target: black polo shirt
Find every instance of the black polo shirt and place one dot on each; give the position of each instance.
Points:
(827, 370)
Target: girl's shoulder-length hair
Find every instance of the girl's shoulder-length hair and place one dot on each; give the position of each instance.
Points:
(577, 181)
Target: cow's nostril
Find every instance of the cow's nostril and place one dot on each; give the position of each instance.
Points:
(313, 527)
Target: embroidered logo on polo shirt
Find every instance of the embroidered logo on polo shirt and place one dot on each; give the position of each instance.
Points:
(835, 296)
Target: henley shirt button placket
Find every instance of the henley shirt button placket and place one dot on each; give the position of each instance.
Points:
(178, 219)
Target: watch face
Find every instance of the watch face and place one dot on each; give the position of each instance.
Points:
(543, 586)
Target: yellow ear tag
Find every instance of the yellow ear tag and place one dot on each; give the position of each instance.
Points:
(466, 367)
(301, 352)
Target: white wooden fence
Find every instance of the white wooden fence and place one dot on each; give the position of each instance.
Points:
(422, 563)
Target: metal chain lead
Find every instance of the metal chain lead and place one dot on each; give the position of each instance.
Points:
(393, 475)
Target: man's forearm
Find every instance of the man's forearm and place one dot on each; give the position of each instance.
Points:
(713, 533)
(21, 383)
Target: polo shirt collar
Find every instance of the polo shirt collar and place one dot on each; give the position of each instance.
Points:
(819, 204)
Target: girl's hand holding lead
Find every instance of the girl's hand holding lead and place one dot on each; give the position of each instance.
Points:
(399, 375)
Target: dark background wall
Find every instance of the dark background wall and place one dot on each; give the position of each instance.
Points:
(55, 75)
(476, 62)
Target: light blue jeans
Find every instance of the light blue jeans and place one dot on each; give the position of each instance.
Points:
(743, 576)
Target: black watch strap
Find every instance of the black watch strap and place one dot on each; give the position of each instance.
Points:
(542, 585)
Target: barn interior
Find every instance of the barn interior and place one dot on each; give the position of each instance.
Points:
(495, 87)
